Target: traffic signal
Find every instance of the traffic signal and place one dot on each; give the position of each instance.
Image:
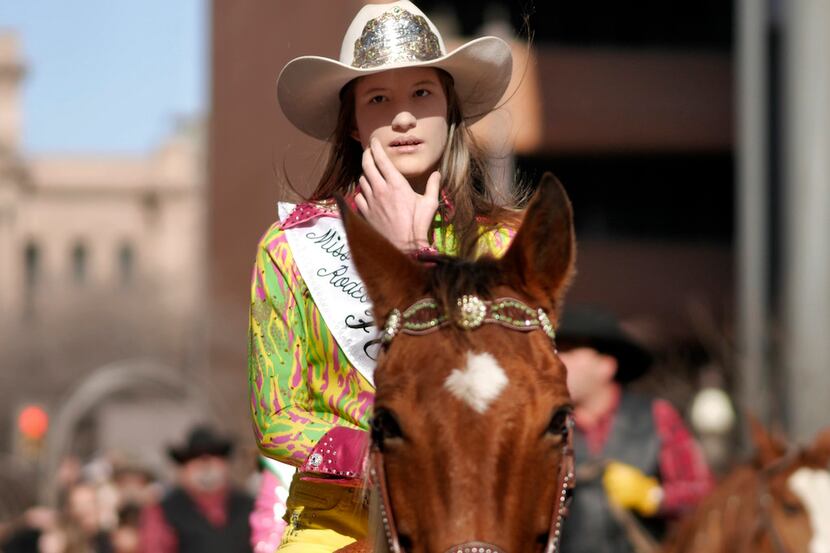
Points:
(32, 426)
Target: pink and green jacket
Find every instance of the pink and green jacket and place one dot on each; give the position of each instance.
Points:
(310, 407)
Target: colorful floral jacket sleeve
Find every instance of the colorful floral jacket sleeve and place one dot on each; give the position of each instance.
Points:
(302, 386)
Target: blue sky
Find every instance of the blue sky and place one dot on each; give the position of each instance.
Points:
(108, 75)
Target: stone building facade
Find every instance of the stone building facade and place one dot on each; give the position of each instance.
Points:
(100, 261)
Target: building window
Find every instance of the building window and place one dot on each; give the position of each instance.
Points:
(126, 263)
(32, 277)
(79, 263)
(31, 262)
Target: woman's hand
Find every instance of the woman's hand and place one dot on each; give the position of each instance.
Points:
(389, 203)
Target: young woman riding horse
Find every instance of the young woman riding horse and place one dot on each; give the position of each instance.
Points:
(395, 109)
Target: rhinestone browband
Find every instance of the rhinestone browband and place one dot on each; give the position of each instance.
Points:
(425, 315)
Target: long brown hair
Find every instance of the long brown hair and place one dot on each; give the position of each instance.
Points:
(466, 180)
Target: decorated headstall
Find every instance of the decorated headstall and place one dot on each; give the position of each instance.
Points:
(426, 316)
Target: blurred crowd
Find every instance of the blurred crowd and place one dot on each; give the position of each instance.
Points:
(98, 510)
(115, 505)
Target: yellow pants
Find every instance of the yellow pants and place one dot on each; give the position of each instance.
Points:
(322, 518)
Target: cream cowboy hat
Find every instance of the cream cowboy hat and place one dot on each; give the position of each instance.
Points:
(390, 36)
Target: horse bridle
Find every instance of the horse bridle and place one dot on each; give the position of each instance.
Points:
(472, 313)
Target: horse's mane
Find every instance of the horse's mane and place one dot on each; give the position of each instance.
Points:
(450, 278)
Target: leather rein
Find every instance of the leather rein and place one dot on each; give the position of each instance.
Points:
(424, 317)
(765, 500)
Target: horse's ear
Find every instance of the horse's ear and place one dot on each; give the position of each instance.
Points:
(541, 258)
(390, 276)
(769, 446)
(821, 448)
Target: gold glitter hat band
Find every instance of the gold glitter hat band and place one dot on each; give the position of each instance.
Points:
(397, 36)
(390, 36)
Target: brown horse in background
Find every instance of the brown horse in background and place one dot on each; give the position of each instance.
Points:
(472, 413)
(777, 503)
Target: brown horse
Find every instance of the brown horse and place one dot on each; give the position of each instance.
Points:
(778, 503)
(472, 413)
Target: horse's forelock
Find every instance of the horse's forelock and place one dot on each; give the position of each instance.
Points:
(450, 278)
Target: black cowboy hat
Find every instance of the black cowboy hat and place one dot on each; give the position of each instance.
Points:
(601, 330)
(201, 441)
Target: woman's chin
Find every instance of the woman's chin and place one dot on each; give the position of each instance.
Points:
(410, 170)
(414, 171)
(410, 165)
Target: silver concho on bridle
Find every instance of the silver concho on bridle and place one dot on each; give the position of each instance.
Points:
(425, 315)
(397, 36)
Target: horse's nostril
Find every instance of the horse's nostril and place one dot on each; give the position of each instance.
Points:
(405, 542)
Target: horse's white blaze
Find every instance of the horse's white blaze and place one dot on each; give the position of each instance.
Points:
(812, 486)
(479, 383)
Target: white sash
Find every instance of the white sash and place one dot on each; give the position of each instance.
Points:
(321, 252)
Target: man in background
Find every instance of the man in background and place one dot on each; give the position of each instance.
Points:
(203, 513)
(637, 464)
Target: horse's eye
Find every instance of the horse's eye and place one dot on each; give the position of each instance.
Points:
(384, 427)
(559, 424)
(791, 508)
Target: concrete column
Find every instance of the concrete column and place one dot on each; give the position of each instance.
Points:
(751, 100)
(11, 262)
(807, 221)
